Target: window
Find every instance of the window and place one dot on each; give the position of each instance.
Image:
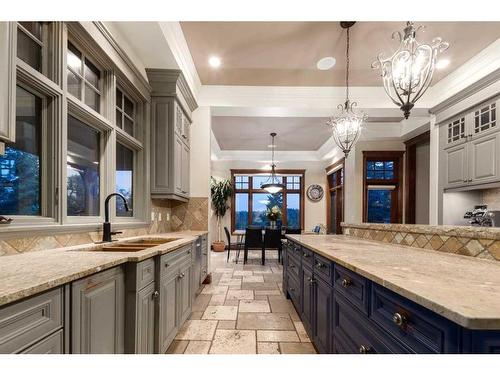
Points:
(83, 78)
(30, 43)
(124, 178)
(83, 169)
(250, 202)
(382, 186)
(125, 112)
(20, 166)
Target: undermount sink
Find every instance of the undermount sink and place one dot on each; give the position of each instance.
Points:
(136, 245)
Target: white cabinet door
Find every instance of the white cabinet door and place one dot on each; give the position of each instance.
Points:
(8, 81)
(455, 166)
(483, 158)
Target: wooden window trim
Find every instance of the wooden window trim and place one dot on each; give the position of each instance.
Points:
(251, 191)
(337, 166)
(397, 156)
(410, 175)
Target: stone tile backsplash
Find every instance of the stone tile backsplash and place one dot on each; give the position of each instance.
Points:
(175, 216)
(480, 243)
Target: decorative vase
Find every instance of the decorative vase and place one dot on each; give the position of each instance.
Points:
(218, 246)
(272, 224)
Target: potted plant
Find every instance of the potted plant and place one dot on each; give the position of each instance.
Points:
(221, 191)
(273, 214)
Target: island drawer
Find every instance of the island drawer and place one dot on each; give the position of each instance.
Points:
(295, 249)
(26, 322)
(355, 334)
(353, 287)
(175, 257)
(323, 268)
(145, 273)
(418, 328)
(307, 257)
(293, 267)
(54, 344)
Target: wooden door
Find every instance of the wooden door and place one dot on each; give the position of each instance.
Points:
(146, 319)
(323, 303)
(184, 292)
(307, 300)
(168, 315)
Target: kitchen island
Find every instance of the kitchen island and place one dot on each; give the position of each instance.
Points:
(357, 295)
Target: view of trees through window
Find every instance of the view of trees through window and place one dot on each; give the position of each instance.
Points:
(20, 165)
(124, 178)
(251, 202)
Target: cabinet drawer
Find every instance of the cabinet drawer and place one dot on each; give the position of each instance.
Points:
(175, 258)
(293, 289)
(50, 345)
(145, 273)
(323, 268)
(307, 257)
(293, 267)
(26, 322)
(295, 250)
(353, 287)
(418, 328)
(356, 334)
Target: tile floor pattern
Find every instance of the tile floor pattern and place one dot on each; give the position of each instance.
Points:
(243, 311)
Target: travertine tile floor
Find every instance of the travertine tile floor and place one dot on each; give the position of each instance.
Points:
(243, 311)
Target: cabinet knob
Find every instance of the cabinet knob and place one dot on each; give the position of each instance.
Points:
(364, 349)
(156, 294)
(198, 245)
(166, 264)
(346, 283)
(311, 280)
(306, 255)
(292, 289)
(470, 179)
(189, 251)
(399, 319)
(320, 265)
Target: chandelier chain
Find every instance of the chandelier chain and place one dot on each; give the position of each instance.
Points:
(347, 70)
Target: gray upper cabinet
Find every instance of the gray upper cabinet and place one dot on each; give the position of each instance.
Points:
(8, 78)
(98, 312)
(470, 148)
(172, 105)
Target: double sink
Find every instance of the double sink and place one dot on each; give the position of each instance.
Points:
(135, 245)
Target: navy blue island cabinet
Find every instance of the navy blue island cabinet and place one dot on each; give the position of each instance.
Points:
(343, 312)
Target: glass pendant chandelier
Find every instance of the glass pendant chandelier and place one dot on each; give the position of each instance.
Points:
(407, 74)
(273, 184)
(346, 126)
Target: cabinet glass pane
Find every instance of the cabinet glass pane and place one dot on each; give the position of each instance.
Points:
(293, 210)
(83, 161)
(241, 210)
(20, 174)
(261, 202)
(74, 84)
(92, 98)
(379, 205)
(124, 178)
(29, 50)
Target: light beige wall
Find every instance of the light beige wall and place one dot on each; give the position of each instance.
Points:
(199, 179)
(314, 212)
(422, 184)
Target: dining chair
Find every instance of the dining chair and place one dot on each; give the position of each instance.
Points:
(253, 240)
(272, 240)
(236, 246)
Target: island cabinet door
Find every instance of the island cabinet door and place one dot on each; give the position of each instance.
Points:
(307, 300)
(481, 342)
(168, 311)
(323, 313)
(146, 299)
(98, 312)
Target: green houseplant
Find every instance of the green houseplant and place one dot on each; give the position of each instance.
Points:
(220, 191)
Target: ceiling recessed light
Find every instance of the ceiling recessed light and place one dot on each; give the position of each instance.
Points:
(214, 61)
(326, 63)
(271, 146)
(443, 63)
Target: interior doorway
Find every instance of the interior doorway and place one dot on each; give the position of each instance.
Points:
(335, 197)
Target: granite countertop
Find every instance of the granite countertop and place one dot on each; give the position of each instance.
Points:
(463, 289)
(446, 230)
(26, 274)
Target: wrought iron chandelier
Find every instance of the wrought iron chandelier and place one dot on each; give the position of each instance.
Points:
(407, 74)
(273, 184)
(347, 125)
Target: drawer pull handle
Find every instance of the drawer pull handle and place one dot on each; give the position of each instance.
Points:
(399, 319)
(364, 349)
(292, 266)
(156, 294)
(166, 264)
(306, 255)
(311, 280)
(320, 265)
(292, 289)
(346, 283)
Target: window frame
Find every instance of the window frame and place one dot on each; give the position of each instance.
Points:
(44, 43)
(396, 181)
(250, 191)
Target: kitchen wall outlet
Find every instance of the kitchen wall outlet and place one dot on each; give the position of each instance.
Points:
(152, 216)
(168, 216)
(159, 216)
